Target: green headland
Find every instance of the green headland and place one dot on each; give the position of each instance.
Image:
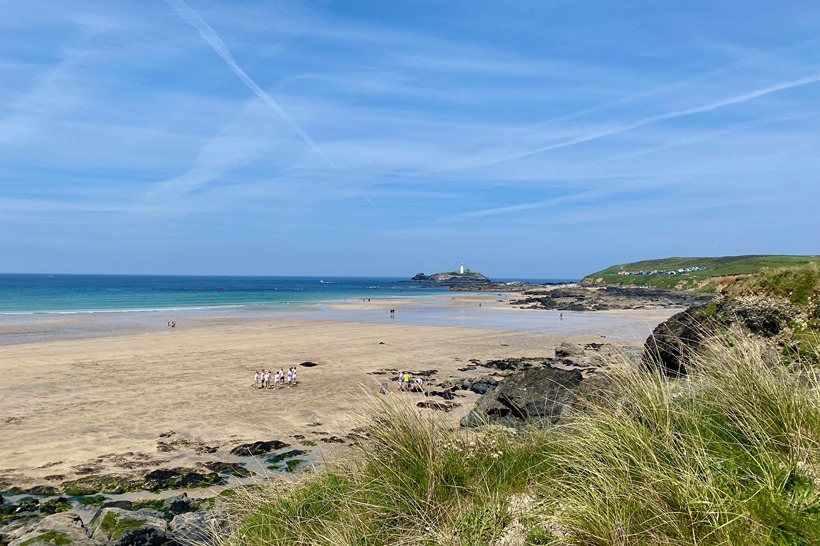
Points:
(695, 272)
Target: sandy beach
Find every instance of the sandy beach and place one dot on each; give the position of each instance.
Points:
(176, 396)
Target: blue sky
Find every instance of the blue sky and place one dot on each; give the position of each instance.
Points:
(529, 139)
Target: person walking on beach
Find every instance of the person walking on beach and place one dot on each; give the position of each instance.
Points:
(255, 374)
(290, 377)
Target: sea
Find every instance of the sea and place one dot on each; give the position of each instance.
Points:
(35, 307)
(65, 294)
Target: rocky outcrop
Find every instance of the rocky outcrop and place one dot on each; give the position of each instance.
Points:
(536, 396)
(452, 278)
(118, 527)
(538, 390)
(64, 528)
(258, 448)
(180, 478)
(478, 385)
(119, 523)
(196, 528)
(586, 298)
(673, 342)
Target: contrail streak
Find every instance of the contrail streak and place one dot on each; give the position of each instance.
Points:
(661, 117)
(208, 34)
(563, 200)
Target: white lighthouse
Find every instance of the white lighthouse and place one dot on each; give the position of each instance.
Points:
(461, 270)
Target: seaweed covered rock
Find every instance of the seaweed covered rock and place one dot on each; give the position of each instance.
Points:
(63, 528)
(119, 527)
(180, 478)
(536, 396)
(258, 448)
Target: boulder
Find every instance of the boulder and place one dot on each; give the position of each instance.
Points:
(673, 342)
(566, 350)
(536, 396)
(447, 395)
(440, 406)
(478, 385)
(13, 529)
(119, 527)
(178, 504)
(64, 528)
(195, 528)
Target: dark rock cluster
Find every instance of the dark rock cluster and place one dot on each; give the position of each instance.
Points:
(585, 298)
(536, 396)
(673, 342)
(535, 391)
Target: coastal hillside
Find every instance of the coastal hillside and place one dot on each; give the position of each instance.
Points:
(686, 273)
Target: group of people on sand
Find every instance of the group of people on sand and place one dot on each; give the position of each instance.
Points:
(261, 378)
(408, 384)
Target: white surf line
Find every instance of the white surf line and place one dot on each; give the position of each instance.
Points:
(190, 16)
(814, 78)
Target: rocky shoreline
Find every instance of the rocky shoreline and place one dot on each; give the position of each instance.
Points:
(577, 297)
(145, 508)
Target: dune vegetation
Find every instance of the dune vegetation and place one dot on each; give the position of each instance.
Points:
(729, 454)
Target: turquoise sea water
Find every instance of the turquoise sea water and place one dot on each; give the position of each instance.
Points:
(49, 307)
(62, 294)
(31, 294)
(43, 307)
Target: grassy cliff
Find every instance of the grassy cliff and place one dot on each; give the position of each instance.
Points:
(658, 273)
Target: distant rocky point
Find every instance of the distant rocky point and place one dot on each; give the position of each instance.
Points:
(465, 276)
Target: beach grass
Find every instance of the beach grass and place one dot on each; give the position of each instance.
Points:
(728, 455)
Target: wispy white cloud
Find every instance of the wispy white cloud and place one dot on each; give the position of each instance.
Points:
(736, 99)
(571, 199)
(239, 143)
(109, 116)
(708, 135)
(212, 39)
